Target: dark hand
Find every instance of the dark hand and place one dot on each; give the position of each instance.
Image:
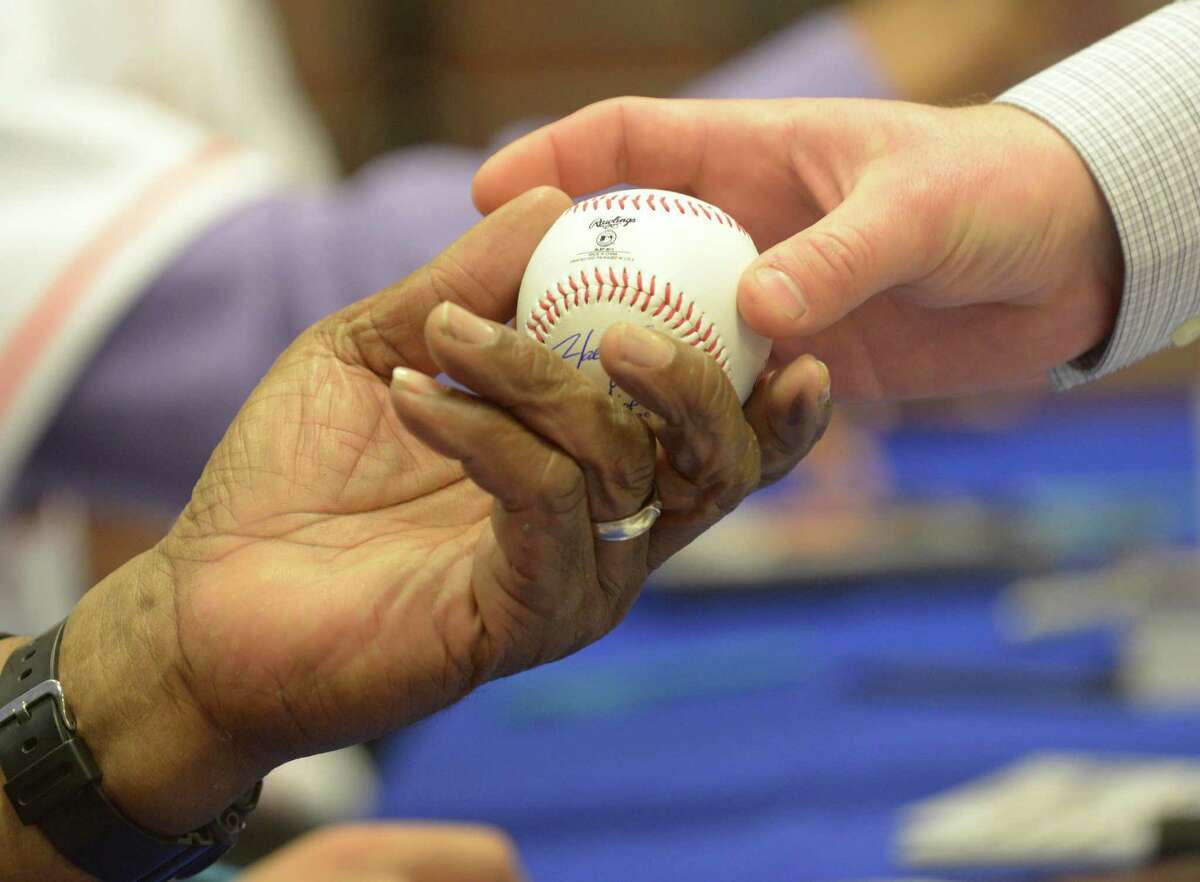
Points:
(357, 555)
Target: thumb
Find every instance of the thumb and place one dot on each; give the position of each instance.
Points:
(806, 283)
(480, 272)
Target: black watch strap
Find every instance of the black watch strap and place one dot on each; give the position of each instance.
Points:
(53, 781)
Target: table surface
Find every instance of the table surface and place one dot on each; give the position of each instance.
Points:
(775, 737)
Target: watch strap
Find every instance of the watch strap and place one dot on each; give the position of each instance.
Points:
(53, 781)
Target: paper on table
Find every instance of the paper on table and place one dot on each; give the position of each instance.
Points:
(1052, 810)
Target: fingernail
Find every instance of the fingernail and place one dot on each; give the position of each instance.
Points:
(826, 384)
(780, 292)
(414, 382)
(464, 327)
(645, 348)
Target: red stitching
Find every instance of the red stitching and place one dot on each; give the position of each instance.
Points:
(675, 312)
(683, 206)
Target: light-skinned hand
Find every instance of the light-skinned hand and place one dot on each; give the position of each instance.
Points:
(916, 250)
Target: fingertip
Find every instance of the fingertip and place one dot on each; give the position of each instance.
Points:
(542, 204)
(408, 386)
(488, 188)
(515, 169)
(628, 345)
(771, 303)
(825, 396)
(548, 200)
(798, 395)
(406, 381)
(483, 187)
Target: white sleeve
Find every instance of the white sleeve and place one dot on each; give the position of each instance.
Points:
(98, 189)
(1131, 106)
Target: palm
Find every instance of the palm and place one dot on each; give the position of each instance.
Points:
(359, 553)
(319, 502)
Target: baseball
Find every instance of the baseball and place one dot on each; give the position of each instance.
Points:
(665, 260)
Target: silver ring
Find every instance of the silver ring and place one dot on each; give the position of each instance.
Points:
(633, 526)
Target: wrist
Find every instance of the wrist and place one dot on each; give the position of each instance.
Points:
(1081, 233)
(164, 763)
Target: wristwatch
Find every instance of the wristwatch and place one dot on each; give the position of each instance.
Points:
(52, 780)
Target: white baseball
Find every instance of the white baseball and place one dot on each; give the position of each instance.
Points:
(664, 260)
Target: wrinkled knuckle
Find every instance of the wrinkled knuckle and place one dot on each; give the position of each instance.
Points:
(376, 343)
(717, 443)
(450, 279)
(705, 462)
(441, 280)
(354, 336)
(561, 486)
(633, 473)
(333, 336)
(565, 397)
(702, 393)
(715, 502)
(843, 253)
(543, 376)
(626, 477)
(595, 409)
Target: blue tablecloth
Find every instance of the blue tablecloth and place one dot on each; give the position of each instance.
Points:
(774, 737)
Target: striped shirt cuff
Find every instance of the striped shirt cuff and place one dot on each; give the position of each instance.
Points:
(1131, 106)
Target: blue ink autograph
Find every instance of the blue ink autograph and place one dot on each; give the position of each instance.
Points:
(576, 349)
(571, 349)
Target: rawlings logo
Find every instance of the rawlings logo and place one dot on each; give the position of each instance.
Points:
(618, 221)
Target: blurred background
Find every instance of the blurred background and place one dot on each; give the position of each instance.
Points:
(1003, 588)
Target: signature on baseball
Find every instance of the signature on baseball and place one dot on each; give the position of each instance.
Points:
(578, 348)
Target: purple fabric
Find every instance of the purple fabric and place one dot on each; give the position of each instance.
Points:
(140, 423)
(821, 56)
